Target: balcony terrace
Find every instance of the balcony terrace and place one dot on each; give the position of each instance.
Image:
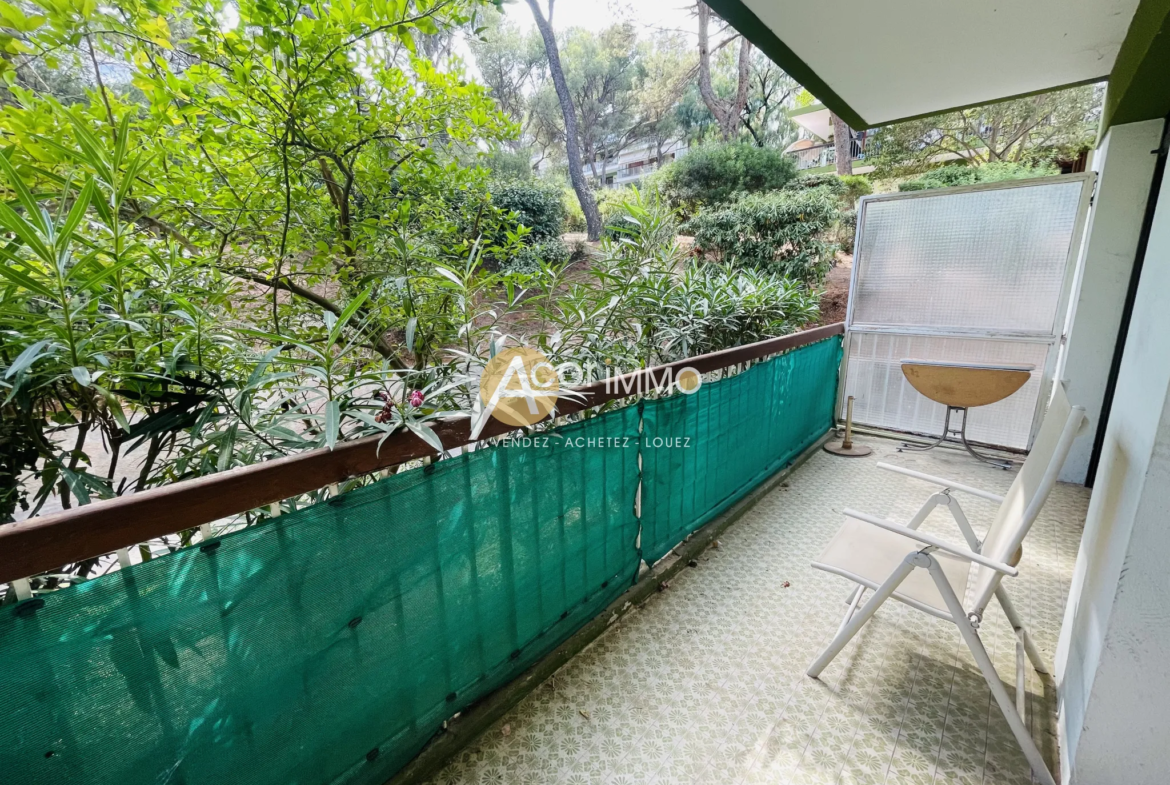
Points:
(374, 634)
(705, 682)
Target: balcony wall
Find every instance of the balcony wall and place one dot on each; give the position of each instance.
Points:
(330, 644)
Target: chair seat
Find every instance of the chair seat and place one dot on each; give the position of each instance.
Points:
(867, 555)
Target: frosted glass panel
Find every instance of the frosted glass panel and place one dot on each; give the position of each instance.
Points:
(989, 260)
(886, 400)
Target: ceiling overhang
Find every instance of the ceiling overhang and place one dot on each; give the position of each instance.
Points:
(874, 64)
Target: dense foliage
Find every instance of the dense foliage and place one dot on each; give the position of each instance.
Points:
(533, 204)
(782, 231)
(634, 309)
(232, 236)
(960, 174)
(1039, 129)
(229, 240)
(714, 174)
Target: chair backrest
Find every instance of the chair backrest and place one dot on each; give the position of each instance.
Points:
(1028, 493)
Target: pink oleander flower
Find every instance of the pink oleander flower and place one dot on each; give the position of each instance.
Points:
(416, 398)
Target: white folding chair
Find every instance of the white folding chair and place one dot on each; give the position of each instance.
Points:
(931, 574)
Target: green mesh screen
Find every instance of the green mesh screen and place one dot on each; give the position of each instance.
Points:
(328, 645)
(704, 451)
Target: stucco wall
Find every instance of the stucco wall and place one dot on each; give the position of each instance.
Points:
(1125, 166)
(1113, 661)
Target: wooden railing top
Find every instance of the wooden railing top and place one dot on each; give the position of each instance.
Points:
(45, 543)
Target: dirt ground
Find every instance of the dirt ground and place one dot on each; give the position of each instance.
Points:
(835, 300)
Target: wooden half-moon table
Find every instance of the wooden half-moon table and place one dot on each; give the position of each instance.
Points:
(962, 386)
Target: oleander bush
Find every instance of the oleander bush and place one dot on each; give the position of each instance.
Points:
(715, 174)
(784, 232)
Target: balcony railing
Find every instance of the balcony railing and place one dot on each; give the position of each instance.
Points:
(622, 173)
(826, 154)
(330, 643)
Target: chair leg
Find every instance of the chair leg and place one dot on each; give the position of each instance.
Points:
(854, 625)
(1009, 610)
(853, 601)
(998, 691)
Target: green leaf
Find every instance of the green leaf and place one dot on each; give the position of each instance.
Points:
(77, 212)
(426, 434)
(24, 281)
(332, 423)
(347, 314)
(26, 358)
(411, 326)
(443, 271)
(81, 374)
(22, 193)
(91, 148)
(25, 232)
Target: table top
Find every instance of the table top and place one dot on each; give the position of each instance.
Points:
(965, 384)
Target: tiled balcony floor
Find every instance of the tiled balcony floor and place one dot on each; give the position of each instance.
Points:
(705, 683)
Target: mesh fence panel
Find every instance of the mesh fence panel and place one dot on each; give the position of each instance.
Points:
(702, 452)
(328, 645)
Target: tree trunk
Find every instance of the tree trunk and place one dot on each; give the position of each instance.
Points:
(572, 139)
(743, 82)
(727, 113)
(842, 145)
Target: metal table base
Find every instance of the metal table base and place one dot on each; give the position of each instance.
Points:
(961, 432)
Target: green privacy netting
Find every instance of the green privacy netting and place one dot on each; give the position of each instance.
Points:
(704, 451)
(328, 645)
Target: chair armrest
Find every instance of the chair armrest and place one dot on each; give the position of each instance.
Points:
(929, 539)
(958, 486)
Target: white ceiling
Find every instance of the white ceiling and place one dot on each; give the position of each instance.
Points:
(892, 59)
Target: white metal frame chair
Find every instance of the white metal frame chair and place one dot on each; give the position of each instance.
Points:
(950, 581)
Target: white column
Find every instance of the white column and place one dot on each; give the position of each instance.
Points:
(1125, 166)
(1112, 674)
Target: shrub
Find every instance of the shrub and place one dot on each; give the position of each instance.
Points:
(717, 174)
(537, 206)
(531, 258)
(963, 174)
(782, 232)
(825, 181)
(507, 164)
(715, 307)
(641, 222)
(847, 230)
(856, 186)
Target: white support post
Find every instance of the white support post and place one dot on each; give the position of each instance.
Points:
(926, 509)
(998, 691)
(205, 531)
(123, 558)
(964, 524)
(274, 510)
(852, 608)
(1021, 704)
(1030, 648)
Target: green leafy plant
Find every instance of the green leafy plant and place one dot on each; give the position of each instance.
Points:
(783, 232)
(533, 204)
(714, 174)
(960, 174)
